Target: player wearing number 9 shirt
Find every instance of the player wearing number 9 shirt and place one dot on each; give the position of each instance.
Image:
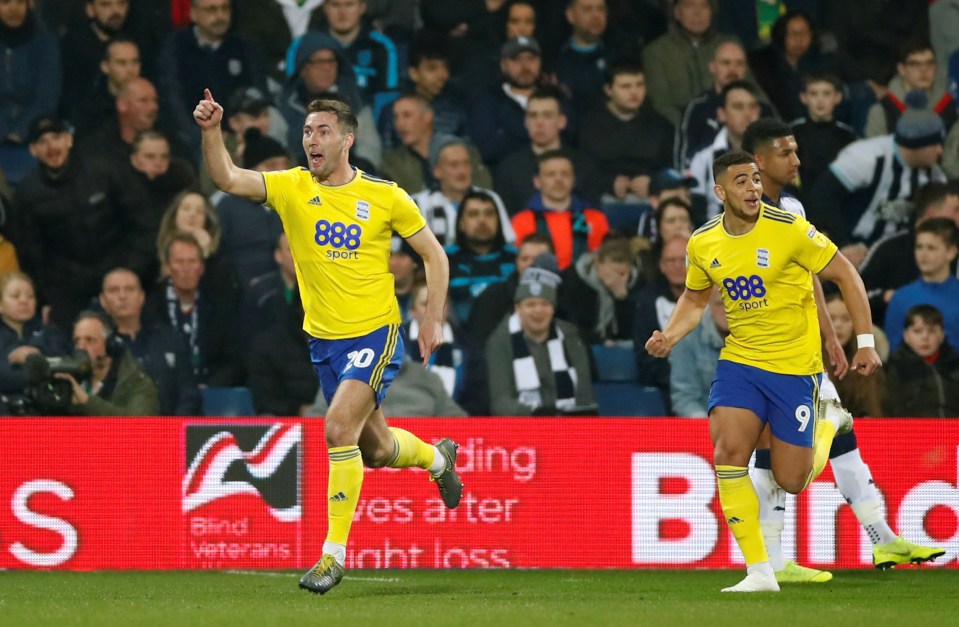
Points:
(339, 222)
(760, 258)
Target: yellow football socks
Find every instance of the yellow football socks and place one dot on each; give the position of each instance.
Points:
(346, 479)
(822, 443)
(741, 510)
(410, 451)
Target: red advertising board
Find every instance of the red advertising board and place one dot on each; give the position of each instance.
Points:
(131, 493)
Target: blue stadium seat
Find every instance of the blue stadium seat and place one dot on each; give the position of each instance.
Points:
(227, 402)
(624, 216)
(615, 363)
(628, 399)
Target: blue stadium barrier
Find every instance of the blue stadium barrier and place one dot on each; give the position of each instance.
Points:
(615, 363)
(624, 216)
(227, 402)
(628, 399)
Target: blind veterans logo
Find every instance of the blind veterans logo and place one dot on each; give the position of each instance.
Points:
(242, 497)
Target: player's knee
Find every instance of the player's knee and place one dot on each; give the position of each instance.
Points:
(727, 453)
(792, 482)
(375, 458)
(339, 431)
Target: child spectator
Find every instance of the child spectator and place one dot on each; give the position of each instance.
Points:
(923, 373)
(936, 247)
(819, 134)
(862, 396)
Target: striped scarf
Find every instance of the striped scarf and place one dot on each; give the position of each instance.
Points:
(526, 376)
(444, 361)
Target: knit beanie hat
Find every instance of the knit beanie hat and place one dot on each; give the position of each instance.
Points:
(919, 127)
(260, 148)
(540, 280)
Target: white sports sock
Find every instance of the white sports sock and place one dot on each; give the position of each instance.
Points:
(772, 514)
(857, 487)
(761, 567)
(439, 462)
(336, 550)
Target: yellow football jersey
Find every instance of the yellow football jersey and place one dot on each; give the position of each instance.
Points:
(764, 276)
(340, 237)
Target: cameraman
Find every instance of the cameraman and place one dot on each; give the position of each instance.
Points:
(22, 333)
(117, 386)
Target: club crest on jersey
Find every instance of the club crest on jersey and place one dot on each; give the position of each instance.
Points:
(762, 257)
(362, 210)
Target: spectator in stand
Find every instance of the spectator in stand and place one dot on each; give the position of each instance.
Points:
(429, 76)
(496, 301)
(654, 304)
(868, 34)
(923, 373)
(891, 262)
(665, 185)
(917, 69)
(861, 396)
(29, 51)
(819, 134)
(454, 362)
(480, 256)
(700, 123)
(574, 227)
(549, 373)
(581, 63)
(71, 227)
(147, 184)
(864, 194)
(96, 105)
(944, 29)
(373, 54)
(158, 349)
(137, 108)
(740, 108)
(270, 296)
(671, 219)
(677, 64)
(273, 25)
(625, 137)
(117, 385)
(692, 362)
(320, 67)
(497, 115)
(411, 165)
(406, 267)
(937, 245)
(794, 51)
(601, 292)
(454, 179)
(201, 315)
(205, 55)
(22, 333)
(248, 229)
(281, 377)
(545, 122)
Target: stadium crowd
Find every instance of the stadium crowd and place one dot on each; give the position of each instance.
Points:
(561, 150)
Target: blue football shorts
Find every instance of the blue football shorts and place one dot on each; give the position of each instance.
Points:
(787, 402)
(374, 359)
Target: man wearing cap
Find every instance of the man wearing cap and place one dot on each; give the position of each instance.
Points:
(865, 193)
(549, 366)
(72, 229)
(497, 122)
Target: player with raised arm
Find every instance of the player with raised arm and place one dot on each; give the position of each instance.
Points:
(770, 368)
(774, 146)
(339, 222)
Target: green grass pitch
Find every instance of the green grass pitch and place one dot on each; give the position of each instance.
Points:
(923, 597)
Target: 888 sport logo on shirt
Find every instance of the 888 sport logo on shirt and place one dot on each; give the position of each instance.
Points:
(748, 291)
(342, 239)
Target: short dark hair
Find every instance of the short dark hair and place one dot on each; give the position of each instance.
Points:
(744, 85)
(429, 45)
(809, 78)
(927, 313)
(345, 117)
(930, 195)
(146, 135)
(539, 238)
(672, 201)
(763, 132)
(182, 237)
(118, 39)
(728, 160)
(913, 45)
(626, 66)
(548, 92)
(549, 155)
(944, 228)
(479, 195)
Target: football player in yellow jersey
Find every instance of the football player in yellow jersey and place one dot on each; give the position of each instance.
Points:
(770, 369)
(339, 222)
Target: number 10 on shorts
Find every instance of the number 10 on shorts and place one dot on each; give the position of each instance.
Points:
(803, 414)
